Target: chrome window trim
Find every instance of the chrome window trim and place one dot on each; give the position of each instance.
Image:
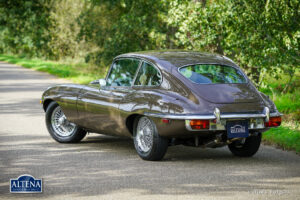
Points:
(137, 72)
(160, 82)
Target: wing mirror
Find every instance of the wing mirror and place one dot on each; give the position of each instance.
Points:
(102, 82)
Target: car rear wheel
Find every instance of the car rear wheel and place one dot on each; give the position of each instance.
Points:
(60, 128)
(148, 143)
(247, 147)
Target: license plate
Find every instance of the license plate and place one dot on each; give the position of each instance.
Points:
(237, 129)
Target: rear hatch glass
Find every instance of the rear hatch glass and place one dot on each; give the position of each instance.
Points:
(220, 83)
(212, 74)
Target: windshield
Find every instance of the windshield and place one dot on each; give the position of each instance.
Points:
(212, 73)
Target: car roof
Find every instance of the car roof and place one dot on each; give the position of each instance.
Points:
(178, 58)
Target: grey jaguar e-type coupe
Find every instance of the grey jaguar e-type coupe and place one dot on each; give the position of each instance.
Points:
(163, 98)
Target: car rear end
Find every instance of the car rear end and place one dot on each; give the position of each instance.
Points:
(228, 110)
(238, 107)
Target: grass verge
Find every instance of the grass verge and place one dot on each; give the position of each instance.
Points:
(283, 137)
(78, 72)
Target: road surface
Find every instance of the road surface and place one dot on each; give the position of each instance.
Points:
(102, 167)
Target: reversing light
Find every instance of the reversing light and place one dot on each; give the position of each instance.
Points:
(273, 122)
(199, 124)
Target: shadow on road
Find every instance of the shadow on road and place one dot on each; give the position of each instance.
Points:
(103, 165)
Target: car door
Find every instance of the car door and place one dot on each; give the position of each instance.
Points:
(98, 108)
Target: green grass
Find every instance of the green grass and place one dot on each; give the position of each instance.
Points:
(76, 72)
(287, 136)
(283, 137)
(288, 102)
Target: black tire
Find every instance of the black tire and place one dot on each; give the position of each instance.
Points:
(76, 135)
(159, 145)
(246, 149)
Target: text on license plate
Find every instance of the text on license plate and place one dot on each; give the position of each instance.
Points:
(237, 129)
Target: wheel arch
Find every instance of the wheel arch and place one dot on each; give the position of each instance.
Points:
(46, 103)
(130, 122)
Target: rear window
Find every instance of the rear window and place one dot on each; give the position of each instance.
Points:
(213, 74)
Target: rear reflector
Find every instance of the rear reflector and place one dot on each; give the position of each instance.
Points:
(199, 124)
(273, 122)
(164, 120)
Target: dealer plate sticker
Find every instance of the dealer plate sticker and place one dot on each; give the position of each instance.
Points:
(237, 129)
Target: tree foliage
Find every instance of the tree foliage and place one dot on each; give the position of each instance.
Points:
(24, 27)
(64, 30)
(261, 35)
(124, 26)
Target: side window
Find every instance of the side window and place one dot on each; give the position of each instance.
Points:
(122, 72)
(148, 75)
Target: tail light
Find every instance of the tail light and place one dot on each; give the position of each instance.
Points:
(166, 121)
(199, 124)
(273, 121)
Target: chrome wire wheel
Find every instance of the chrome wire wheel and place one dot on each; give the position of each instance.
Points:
(60, 124)
(144, 134)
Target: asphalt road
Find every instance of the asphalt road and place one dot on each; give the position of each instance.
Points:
(102, 167)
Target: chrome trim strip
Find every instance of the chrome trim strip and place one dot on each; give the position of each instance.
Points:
(235, 116)
(276, 114)
(179, 116)
(210, 116)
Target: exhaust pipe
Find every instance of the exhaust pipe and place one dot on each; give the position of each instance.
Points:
(216, 142)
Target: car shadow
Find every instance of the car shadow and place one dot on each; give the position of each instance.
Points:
(102, 165)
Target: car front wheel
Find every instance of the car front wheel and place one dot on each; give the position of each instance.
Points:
(148, 143)
(60, 128)
(246, 147)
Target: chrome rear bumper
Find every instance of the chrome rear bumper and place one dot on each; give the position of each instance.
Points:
(212, 116)
(218, 120)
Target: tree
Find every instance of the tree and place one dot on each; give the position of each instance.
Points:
(261, 36)
(124, 26)
(24, 27)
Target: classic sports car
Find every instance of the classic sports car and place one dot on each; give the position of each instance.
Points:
(163, 98)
